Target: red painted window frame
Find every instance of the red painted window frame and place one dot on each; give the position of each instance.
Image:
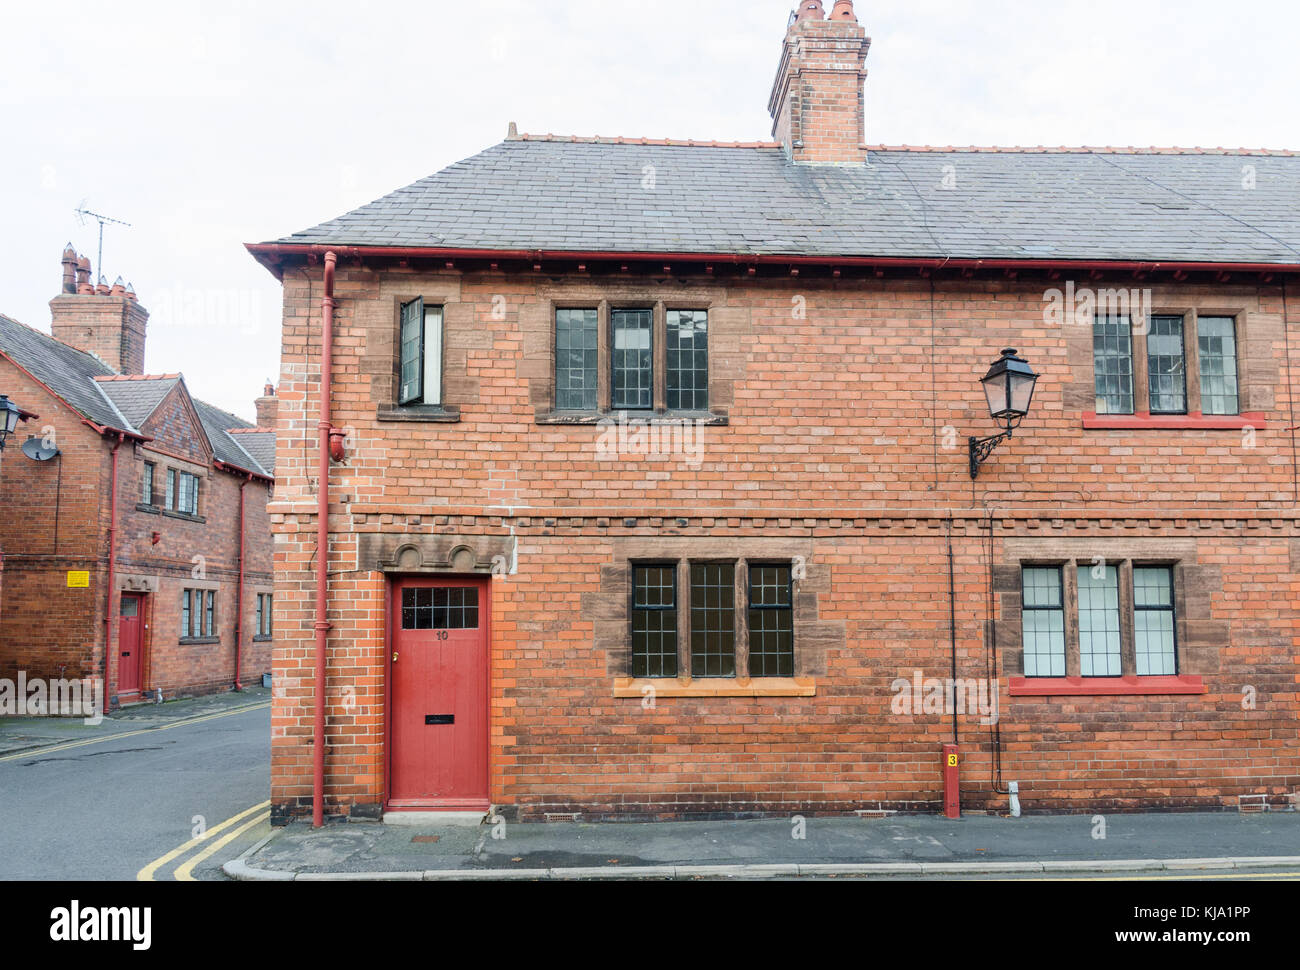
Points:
(1129, 685)
(1194, 421)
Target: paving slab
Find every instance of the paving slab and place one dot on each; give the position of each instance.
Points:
(775, 849)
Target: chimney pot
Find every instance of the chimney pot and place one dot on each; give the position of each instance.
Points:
(69, 269)
(843, 10)
(811, 10)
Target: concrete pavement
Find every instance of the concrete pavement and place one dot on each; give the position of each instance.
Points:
(897, 846)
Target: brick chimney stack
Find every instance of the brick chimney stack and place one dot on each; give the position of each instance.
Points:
(817, 104)
(268, 408)
(107, 321)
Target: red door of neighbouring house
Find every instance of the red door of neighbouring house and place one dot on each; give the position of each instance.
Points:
(439, 688)
(130, 644)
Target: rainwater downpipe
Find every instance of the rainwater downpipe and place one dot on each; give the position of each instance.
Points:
(322, 542)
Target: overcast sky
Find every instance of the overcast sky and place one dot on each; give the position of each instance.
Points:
(209, 125)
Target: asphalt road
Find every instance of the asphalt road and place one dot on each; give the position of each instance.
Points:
(111, 803)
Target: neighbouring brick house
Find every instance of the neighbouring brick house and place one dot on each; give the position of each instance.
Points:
(129, 537)
(654, 493)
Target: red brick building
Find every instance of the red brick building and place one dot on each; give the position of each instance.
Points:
(651, 493)
(142, 530)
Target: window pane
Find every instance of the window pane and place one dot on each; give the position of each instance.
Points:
(1099, 650)
(171, 490)
(688, 360)
(576, 351)
(771, 622)
(185, 614)
(1217, 337)
(1166, 366)
(146, 487)
(1043, 623)
(633, 387)
(210, 614)
(1153, 622)
(412, 353)
(713, 620)
(433, 355)
(1112, 348)
(654, 621)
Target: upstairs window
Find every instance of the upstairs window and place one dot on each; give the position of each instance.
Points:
(1112, 344)
(688, 360)
(182, 494)
(1218, 365)
(631, 359)
(577, 352)
(1167, 366)
(420, 365)
(633, 344)
(1182, 364)
(146, 484)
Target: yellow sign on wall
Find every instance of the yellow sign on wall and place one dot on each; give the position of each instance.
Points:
(78, 580)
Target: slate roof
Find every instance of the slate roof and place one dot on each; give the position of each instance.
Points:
(136, 399)
(120, 403)
(68, 372)
(1069, 204)
(225, 446)
(261, 445)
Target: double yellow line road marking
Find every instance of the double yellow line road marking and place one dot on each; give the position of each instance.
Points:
(185, 872)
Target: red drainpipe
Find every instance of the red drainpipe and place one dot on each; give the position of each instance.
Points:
(112, 554)
(323, 542)
(239, 591)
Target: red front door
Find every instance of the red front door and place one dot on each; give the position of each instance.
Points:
(439, 677)
(130, 644)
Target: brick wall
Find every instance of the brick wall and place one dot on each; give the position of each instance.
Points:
(842, 409)
(58, 520)
(110, 325)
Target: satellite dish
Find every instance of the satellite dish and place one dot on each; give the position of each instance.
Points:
(36, 451)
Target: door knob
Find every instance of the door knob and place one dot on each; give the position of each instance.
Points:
(394, 658)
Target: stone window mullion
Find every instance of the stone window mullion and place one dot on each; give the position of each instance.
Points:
(684, 622)
(603, 357)
(742, 621)
(1070, 599)
(659, 360)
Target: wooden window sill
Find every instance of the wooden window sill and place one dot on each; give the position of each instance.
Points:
(759, 687)
(149, 509)
(184, 516)
(707, 418)
(198, 641)
(1143, 421)
(1105, 686)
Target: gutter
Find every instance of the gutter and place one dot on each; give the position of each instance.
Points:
(265, 252)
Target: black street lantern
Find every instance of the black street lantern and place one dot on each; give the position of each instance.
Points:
(1009, 387)
(10, 415)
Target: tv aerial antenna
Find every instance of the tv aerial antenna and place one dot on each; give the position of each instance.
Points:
(82, 215)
